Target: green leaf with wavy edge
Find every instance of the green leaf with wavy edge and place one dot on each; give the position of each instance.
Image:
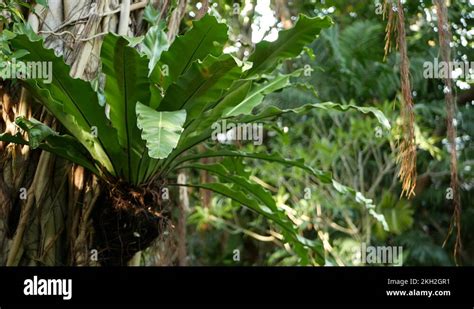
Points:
(325, 177)
(160, 130)
(206, 37)
(300, 244)
(290, 43)
(273, 111)
(154, 44)
(72, 101)
(151, 15)
(86, 138)
(126, 84)
(256, 95)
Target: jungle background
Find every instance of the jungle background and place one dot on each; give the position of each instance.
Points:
(346, 64)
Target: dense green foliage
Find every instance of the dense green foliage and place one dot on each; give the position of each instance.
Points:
(348, 66)
(324, 179)
(158, 113)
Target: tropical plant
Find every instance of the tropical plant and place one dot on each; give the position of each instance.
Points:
(158, 106)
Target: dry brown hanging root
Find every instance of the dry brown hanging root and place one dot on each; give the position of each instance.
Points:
(445, 51)
(406, 157)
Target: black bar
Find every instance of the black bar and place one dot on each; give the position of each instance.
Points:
(240, 285)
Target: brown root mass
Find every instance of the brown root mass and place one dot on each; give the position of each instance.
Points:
(126, 220)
